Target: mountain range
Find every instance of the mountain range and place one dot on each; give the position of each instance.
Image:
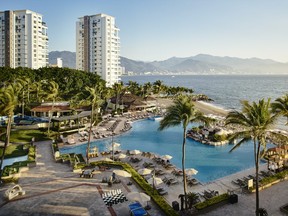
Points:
(199, 64)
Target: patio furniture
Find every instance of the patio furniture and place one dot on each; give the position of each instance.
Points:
(14, 192)
(87, 174)
(136, 209)
(114, 197)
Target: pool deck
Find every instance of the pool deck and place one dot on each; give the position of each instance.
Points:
(53, 189)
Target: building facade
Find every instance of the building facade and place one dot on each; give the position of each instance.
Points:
(98, 47)
(23, 39)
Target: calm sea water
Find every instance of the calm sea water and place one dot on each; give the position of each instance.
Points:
(226, 90)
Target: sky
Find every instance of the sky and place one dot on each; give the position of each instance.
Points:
(160, 29)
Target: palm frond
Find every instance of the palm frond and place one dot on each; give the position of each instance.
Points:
(239, 143)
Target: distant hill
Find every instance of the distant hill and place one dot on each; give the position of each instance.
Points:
(68, 58)
(199, 64)
(139, 66)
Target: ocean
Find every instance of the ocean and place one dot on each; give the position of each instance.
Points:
(226, 91)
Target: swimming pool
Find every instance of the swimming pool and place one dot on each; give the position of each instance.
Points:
(211, 162)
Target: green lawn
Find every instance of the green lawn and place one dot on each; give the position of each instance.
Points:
(15, 151)
(25, 136)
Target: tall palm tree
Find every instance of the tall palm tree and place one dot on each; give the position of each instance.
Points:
(256, 121)
(52, 94)
(38, 91)
(182, 112)
(8, 102)
(95, 100)
(118, 89)
(147, 88)
(281, 106)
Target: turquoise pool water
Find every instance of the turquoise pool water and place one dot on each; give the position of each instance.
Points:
(211, 162)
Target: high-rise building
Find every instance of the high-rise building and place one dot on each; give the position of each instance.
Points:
(98, 47)
(23, 39)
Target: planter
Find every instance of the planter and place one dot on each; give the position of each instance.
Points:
(212, 207)
(77, 170)
(266, 186)
(33, 164)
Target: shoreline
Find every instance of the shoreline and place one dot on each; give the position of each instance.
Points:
(205, 107)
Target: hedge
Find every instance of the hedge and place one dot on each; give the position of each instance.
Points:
(14, 168)
(271, 179)
(212, 201)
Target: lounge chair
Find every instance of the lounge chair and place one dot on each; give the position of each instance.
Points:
(162, 191)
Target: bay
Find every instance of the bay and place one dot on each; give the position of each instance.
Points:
(226, 91)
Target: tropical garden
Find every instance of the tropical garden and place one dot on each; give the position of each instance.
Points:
(23, 88)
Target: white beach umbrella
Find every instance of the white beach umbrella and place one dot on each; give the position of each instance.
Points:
(122, 156)
(191, 171)
(166, 157)
(102, 129)
(116, 145)
(144, 171)
(135, 152)
(122, 173)
(155, 181)
(107, 159)
(136, 196)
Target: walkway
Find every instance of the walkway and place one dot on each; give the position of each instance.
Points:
(53, 189)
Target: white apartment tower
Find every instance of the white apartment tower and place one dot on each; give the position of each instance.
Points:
(23, 39)
(98, 47)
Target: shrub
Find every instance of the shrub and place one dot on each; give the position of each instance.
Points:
(219, 138)
(270, 179)
(212, 201)
(14, 168)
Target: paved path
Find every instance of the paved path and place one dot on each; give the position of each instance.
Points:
(271, 199)
(53, 189)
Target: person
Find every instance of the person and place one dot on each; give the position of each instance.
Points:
(113, 176)
(181, 196)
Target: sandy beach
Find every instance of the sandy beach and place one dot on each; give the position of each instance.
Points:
(205, 107)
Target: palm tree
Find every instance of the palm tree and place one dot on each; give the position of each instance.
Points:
(9, 101)
(256, 121)
(182, 112)
(38, 90)
(281, 106)
(52, 93)
(118, 89)
(147, 88)
(95, 100)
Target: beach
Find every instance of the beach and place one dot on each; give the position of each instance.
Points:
(205, 107)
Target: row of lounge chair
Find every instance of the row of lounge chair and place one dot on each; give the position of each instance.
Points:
(208, 194)
(148, 165)
(192, 181)
(135, 160)
(147, 154)
(243, 182)
(170, 181)
(114, 125)
(126, 127)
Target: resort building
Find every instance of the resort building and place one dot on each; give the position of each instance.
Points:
(130, 102)
(98, 47)
(23, 39)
